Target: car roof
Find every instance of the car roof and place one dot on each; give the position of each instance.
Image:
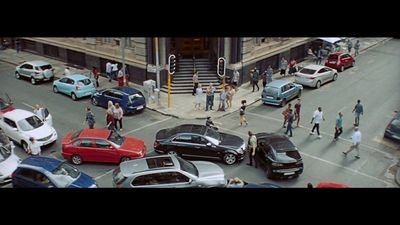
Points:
(188, 128)
(314, 67)
(127, 90)
(37, 63)
(49, 164)
(18, 114)
(95, 133)
(278, 141)
(149, 164)
(278, 83)
(77, 77)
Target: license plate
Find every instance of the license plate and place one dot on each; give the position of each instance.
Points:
(291, 173)
(140, 107)
(269, 97)
(332, 62)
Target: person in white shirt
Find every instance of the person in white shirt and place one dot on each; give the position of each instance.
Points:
(108, 71)
(67, 71)
(318, 116)
(34, 147)
(199, 96)
(356, 139)
(114, 71)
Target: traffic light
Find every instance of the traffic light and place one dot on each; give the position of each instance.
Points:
(171, 64)
(221, 66)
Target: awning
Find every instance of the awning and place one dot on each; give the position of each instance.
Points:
(330, 39)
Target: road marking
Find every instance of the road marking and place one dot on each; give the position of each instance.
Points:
(28, 105)
(342, 109)
(148, 125)
(100, 176)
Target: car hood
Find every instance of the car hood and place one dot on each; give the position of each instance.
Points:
(281, 157)
(40, 132)
(134, 145)
(8, 166)
(210, 172)
(231, 141)
(83, 181)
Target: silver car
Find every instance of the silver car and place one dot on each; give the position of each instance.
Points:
(35, 71)
(168, 171)
(8, 163)
(315, 75)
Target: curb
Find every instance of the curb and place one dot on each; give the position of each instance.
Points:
(380, 42)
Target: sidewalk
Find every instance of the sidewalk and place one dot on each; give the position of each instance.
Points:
(182, 105)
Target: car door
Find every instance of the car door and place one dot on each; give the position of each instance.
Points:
(26, 70)
(84, 148)
(10, 129)
(170, 179)
(30, 178)
(345, 60)
(105, 95)
(105, 152)
(200, 148)
(182, 144)
(262, 151)
(323, 74)
(292, 91)
(69, 86)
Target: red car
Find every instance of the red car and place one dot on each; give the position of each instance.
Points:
(339, 61)
(5, 103)
(101, 145)
(331, 185)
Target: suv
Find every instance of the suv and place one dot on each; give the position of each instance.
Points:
(168, 171)
(35, 71)
(278, 156)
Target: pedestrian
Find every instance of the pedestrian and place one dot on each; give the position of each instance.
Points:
(110, 121)
(118, 114)
(199, 97)
(4, 140)
(211, 124)
(108, 71)
(338, 126)
(252, 145)
(358, 109)
(292, 67)
(195, 79)
(90, 118)
(356, 139)
(18, 45)
(235, 79)
(235, 183)
(311, 54)
(210, 96)
(34, 147)
(285, 114)
(349, 46)
(110, 106)
(318, 116)
(67, 71)
(297, 108)
(264, 78)
(95, 73)
(120, 78)
(283, 66)
(222, 99)
(127, 75)
(255, 79)
(242, 112)
(38, 111)
(114, 71)
(270, 71)
(319, 55)
(356, 48)
(289, 123)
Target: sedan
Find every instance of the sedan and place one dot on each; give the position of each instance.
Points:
(130, 99)
(19, 125)
(35, 71)
(340, 61)
(76, 86)
(191, 140)
(8, 163)
(101, 145)
(393, 128)
(315, 75)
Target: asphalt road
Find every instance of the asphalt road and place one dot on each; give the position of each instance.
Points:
(375, 80)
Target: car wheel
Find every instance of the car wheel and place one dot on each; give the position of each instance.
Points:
(341, 68)
(95, 102)
(73, 96)
(55, 89)
(33, 81)
(24, 146)
(17, 75)
(334, 77)
(268, 172)
(283, 103)
(172, 152)
(124, 159)
(229, 158)
(318, 85)
(76, 159)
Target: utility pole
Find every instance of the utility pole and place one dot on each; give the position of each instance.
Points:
(123, 45)
(157, 70)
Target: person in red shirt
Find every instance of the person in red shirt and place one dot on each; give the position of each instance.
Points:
(95, 73)
(292, 67)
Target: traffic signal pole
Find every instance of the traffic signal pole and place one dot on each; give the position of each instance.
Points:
(169, 90)
(171, 70)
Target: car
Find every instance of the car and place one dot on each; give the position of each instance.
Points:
(46, 172)
(37, 70)
(76, 86)
(280, 92)
(315, 75)
(130, 99)
(8, 163)
(168, 171)
(392, 130)
(278, 156)
(331, 185)
(6, 103)
(19, 125)
(193, 140)
(101, 145)
(340, 61)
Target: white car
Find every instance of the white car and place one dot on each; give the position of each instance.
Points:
(315, 75)
(37, 70)
(8, 163)
(20, 125)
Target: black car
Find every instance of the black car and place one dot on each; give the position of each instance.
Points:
(278, 156)
(191, 140)
(393, 128)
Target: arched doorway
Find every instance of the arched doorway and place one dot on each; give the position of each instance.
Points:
(191, 47)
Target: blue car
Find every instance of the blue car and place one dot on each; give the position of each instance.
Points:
(44, 172)
(76, 86)
(130, 99)
(280, 92)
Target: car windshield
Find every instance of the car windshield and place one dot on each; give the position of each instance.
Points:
(188, 167)
(281, 145)
(4, 153)
(84, 81)
(116, 138)
(30, 123)
(333, 57)
(271, 90)
(213, 134)
(46, 67)
(65, 174)
(307, 71)
(135, 96)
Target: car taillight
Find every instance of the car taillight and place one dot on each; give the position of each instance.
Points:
(77, 87)
(156, 144)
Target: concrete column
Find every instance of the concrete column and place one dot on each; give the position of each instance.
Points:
(163, 53)
(227, 50)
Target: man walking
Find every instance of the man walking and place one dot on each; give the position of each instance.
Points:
(108, 71)
(210, 96)
(269, 74)
(356, 139)
(255, 79)
(289, 123)
(252, 145)
(318, 116)
(358, 109)
(338, 126)
(297, 108)
(90, 118)
(356, 48)
(283, 66)
(349, 46)
(242, 112)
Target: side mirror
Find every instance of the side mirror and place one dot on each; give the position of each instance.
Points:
(208, 144)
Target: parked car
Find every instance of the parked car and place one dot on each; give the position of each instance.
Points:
(278, 156)
(45, 172)
(193, 140)
(315, 75)
(130, 99)
(101, 145)
(280, 92)
(35, 71)
(393, 128)
(5, 103)
(76, 86)
(340, 61)
(19, 125)
(331, 185)
(168, 171)
(8, 163)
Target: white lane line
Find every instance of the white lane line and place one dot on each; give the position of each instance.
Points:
(327, 134)
(342, 109)
(148, 125)
(100, 176)
(28, 105)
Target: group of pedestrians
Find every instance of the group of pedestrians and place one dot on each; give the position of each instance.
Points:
(114, 116)
(115, 71)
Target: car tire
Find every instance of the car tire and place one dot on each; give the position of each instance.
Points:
(268, 172)
(95, 102)
(55, 89)
(283, 103)
(318, 85)
(33, 80)
(342, 68)
(229, 158)
(24, 146)
(334, 77)
(73, 96)
(172, 152)
(17, 75)
(125, 158)
(76, 159)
